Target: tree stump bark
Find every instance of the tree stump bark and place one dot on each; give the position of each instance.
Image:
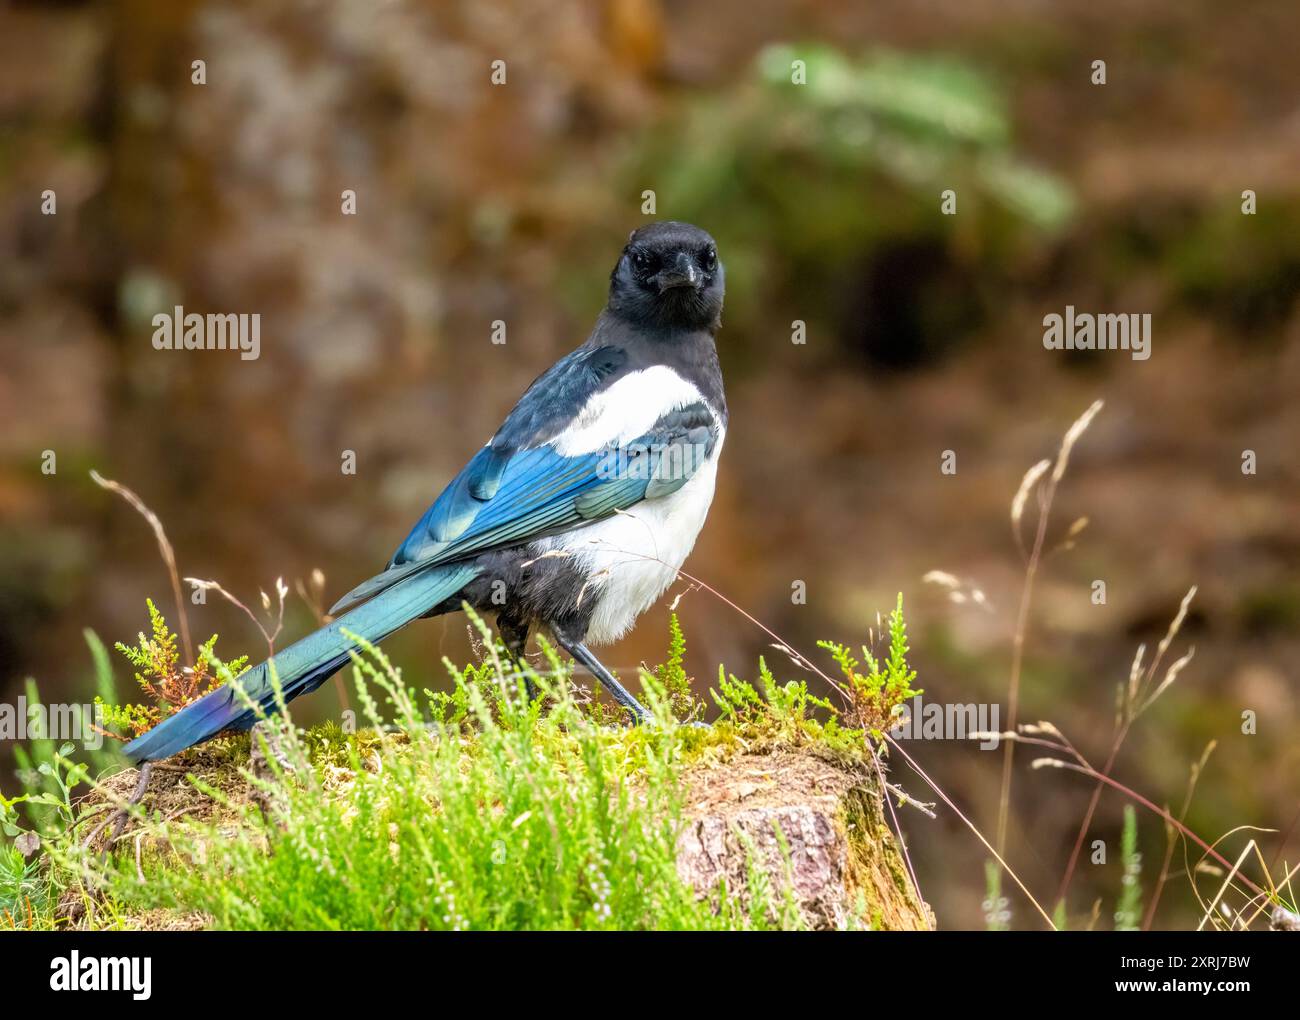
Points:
(840, 861)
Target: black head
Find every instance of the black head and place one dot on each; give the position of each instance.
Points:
(668, 276)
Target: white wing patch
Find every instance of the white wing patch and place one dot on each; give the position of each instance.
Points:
(626, 410)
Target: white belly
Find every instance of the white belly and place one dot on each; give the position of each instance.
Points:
(630, 559)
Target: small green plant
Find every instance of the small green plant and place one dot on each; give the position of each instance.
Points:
(21, 890)
(169, 685)
(997, 912)
(879, 694)
(788, 703)
(790, 712)
(38, 864)
(456, 708)
(1128, 911)
(672, 676)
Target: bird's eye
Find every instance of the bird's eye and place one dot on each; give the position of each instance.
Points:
(640, 259)
(709, 259)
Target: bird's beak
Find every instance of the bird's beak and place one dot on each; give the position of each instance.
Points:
(682, 273)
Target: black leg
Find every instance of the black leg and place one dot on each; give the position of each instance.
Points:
(584, 655)
(122, 814)
(514, 635)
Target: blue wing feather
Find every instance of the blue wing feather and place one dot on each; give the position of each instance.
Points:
(505, 498)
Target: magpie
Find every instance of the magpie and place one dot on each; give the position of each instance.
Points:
(574, 517)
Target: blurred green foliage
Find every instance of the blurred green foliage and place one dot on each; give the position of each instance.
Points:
(805, 180)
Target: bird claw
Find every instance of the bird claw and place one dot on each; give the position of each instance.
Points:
(118, 818)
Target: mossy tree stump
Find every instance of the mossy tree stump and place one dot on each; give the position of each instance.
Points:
(813, 823)
(843, 861)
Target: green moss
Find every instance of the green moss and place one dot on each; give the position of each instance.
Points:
(877, 872)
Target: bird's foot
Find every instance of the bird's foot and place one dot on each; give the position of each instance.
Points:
(120, 815)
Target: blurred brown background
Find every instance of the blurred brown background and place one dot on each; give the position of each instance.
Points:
(477, 203)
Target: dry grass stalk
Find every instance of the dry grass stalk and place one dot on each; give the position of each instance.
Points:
(281, 590)
(164, 548)
(1135, 697)
(1033, 483)
(1171, 838)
